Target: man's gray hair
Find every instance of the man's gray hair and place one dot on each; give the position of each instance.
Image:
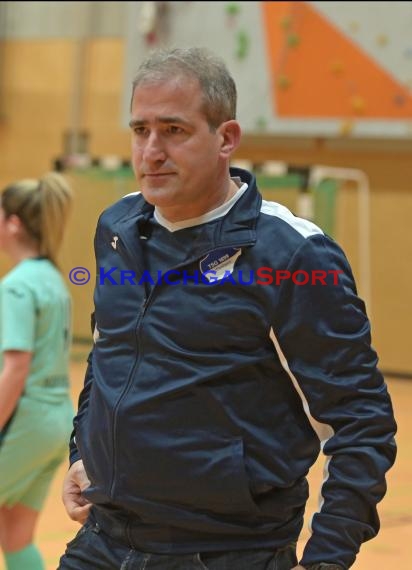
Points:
(216, 83)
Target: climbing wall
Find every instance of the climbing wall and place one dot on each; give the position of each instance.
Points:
(302, 68)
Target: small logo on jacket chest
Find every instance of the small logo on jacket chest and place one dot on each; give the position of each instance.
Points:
(219, 262)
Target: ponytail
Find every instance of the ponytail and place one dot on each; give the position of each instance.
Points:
(55, 202)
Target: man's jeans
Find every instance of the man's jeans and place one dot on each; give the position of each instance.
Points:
(92, 549)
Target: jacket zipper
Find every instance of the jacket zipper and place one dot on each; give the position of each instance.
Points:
(143, 309)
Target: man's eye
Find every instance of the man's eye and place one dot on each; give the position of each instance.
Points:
(173, 129)
(140, 131)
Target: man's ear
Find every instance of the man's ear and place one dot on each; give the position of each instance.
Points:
(231, 133)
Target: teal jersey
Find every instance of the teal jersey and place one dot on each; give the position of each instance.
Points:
(35, 316)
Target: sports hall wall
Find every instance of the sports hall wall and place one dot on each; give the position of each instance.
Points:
(53, 85)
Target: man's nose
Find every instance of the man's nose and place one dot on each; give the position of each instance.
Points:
(154, 150)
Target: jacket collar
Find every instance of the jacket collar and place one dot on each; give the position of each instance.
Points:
(238, 227)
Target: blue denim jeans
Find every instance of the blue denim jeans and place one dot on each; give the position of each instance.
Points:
(92, 549)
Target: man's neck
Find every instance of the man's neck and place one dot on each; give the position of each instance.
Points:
(217, 212)
(174, 215)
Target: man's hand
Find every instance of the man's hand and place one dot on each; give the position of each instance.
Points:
(74, 484)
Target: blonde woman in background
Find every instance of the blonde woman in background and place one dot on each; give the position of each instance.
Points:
(35, 404)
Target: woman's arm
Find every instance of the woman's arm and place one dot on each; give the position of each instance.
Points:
(16, 366)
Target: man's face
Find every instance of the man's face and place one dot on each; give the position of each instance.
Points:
(177, 159)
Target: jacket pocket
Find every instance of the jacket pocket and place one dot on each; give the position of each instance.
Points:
(200, 470)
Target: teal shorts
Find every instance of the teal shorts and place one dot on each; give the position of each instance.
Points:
(34, 445)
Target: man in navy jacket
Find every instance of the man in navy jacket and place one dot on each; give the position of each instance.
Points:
(230, 348)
